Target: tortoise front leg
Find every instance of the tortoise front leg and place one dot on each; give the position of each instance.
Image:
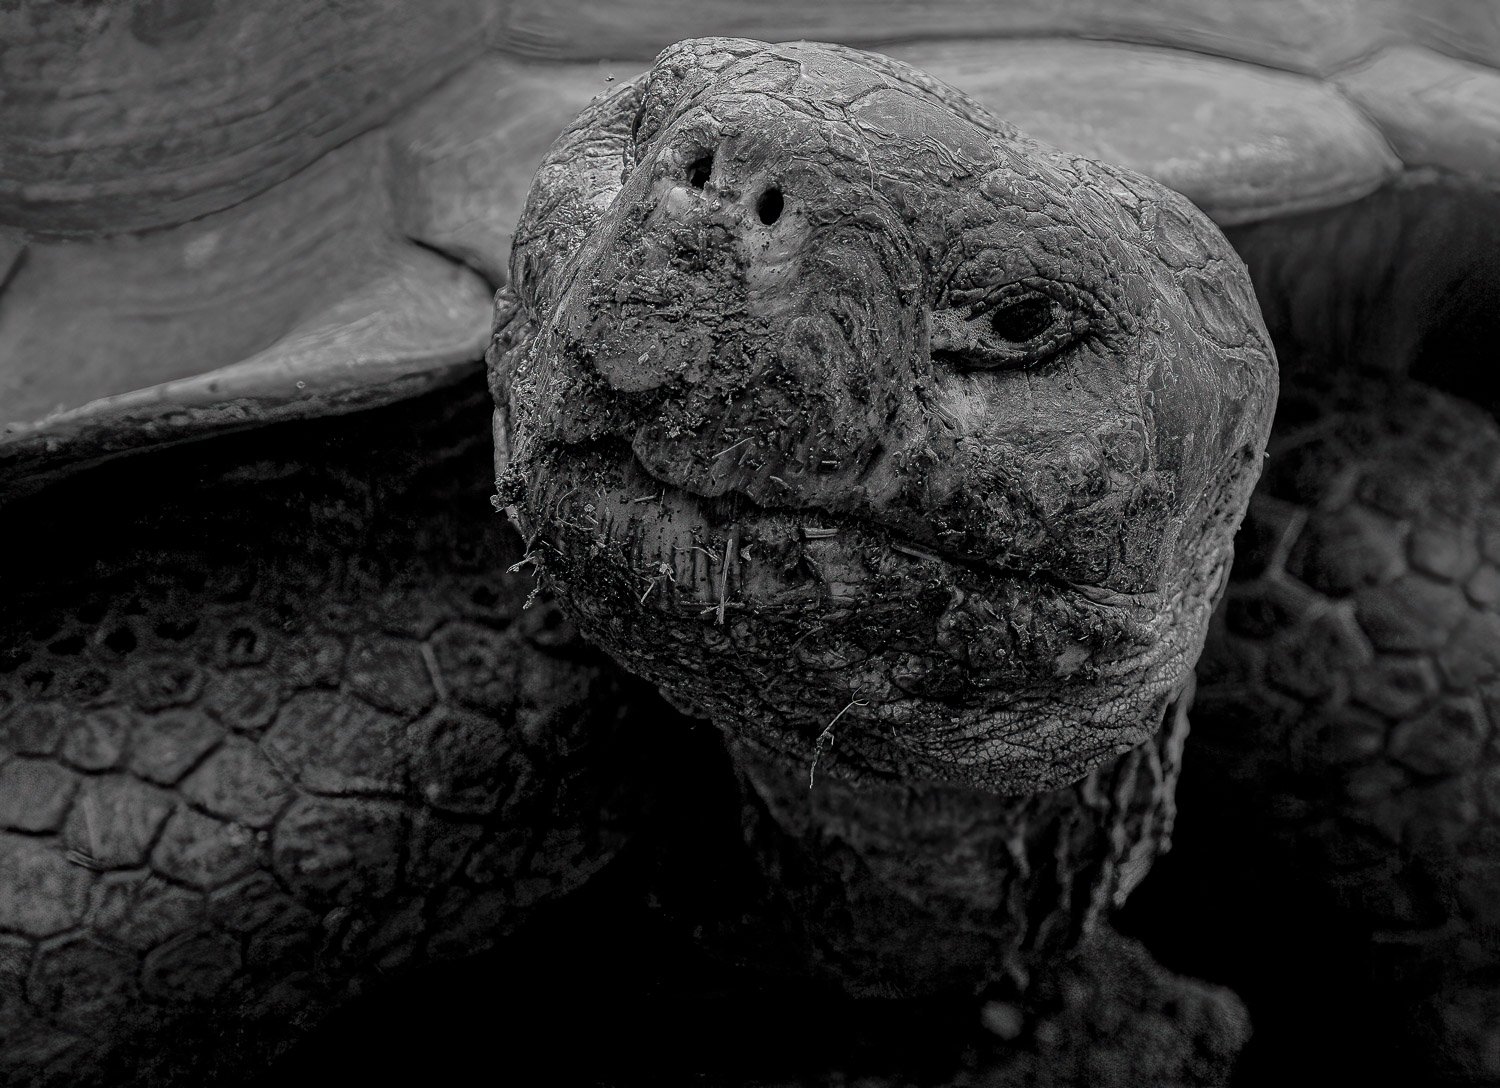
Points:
(1352, 685)
(274, 724)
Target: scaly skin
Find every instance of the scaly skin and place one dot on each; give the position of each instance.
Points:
(895, 890)
(1351, 691)
(274, 724)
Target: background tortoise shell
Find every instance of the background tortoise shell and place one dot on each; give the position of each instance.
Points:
(339, 196)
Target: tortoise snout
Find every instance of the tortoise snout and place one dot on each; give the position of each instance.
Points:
(727, 185)
(743, 318)
(710, 236)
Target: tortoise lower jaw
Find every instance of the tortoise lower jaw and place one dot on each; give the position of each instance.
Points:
(772, 623)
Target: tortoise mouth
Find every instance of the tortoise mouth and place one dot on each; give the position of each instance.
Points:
(608, 495)
(779, 620)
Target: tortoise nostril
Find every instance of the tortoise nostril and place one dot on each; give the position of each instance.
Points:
(769, 206)
(698, 173)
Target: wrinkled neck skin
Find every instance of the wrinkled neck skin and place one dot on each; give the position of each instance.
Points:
(900, 446)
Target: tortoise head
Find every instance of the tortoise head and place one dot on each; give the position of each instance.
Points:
(869, 428)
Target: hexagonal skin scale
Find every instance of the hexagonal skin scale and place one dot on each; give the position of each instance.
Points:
(167, 846)
(1378, 777)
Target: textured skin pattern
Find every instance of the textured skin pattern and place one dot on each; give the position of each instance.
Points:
(897, 890)
(1351, 690)
(274, 724)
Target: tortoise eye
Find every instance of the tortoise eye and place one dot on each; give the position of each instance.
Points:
(1021, 319)
(1014, 328)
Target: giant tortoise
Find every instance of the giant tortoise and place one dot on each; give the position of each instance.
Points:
(902, 443)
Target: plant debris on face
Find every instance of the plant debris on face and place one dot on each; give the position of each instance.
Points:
(826, 394)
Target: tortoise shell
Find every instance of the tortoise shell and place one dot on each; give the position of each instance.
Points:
(345, 241)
